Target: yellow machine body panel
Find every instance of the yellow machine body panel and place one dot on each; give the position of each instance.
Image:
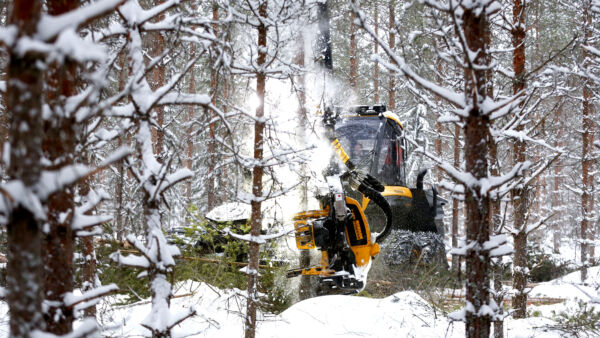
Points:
(305, 237)
(390, 190)
(364, 252)
(357, 233)
(337, 146)
(311, 214)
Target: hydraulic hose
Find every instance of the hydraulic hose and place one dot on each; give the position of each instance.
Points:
(382, 203)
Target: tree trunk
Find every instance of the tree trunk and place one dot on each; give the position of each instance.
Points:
(376, 64)
(353, 72)
(476, 128)
(121, 179)
(59, 145)
(455, 258)
(556, 195)
(189, 163)
(24, 235)
(210, 182)
(555, 204)
(587, 161)
(88, 268)
(323, 52)
(120, 228)
(306, 290)
(157, 45)
(495, 228)
(521, 194)
(257, 176)
(392, 80)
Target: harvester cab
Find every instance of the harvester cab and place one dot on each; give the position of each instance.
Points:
(365, 200)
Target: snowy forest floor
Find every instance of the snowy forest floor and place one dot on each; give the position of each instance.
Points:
(404, 314)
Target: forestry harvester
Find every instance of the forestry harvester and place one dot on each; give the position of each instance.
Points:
(365, 200)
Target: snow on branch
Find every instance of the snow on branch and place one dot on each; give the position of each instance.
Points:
(85, 329)
(16, 193)
(49, 27)
(130, 260)
(498, 246)
(171, 179)
(177, 318)
(527, 180)
(71, 300)
(262, 239)
(184, 98)
(399, 66)
(82, 221)
(134, 14)
(484, 184)
(522, 136)
(8, 35)
(56, 180)
(531, 227)
(248, 198)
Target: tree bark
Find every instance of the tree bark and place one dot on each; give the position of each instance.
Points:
(323, 52)
(495, 228)
(392, 35)
(121, 179)
(587, 161)
(376, 64)
(257, 176)
(557, 181)
(23, 100)
(476, 31)
(210, 182)
(88, 268)
(520, 195)
(158, 80)
(306, 290)
(59, 145)
(189, 163)
(353, 61)
(455, 206)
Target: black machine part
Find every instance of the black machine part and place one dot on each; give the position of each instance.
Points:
(433, 207)
(372, 188)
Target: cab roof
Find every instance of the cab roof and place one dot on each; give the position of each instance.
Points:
(367, 111)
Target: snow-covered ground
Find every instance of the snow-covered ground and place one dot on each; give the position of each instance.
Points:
(404, 314)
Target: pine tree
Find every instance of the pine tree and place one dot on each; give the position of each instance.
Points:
(521, 194)
(24, 228)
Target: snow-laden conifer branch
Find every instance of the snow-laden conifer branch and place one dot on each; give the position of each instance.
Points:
(134, 15)
(87, 328)
(50, 181)
(400, 67)
(81, 219)
(483, 185)
(262, 239)
(50, 27)
(72, 300)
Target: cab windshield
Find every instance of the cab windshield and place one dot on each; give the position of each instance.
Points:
(358, 137)
(374, 146)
